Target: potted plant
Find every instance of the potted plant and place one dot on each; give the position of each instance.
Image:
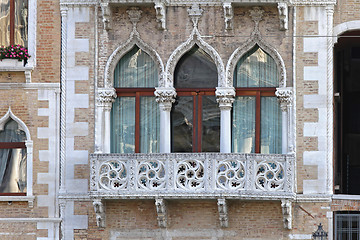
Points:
(13, 56)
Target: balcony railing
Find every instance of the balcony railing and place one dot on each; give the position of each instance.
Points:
(192, 175)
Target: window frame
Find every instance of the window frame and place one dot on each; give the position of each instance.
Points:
(258, 92)
(137, 93)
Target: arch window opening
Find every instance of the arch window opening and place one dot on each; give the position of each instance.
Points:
(347, 113)
(195, 115)
(256, 113)
(135, 113)
(13, 160)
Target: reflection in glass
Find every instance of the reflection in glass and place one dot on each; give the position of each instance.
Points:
(243, 125)
(149, 125)
(256, 69)
(271, 137)
(5, 22)
(123, 125)
(136, 69)
(196, 69)
(21, 22)
(210, 141)
(12, 160)
(182, 124)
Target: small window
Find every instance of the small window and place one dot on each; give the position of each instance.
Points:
(135, 116)
(12, 159)
(256, 113)
(347, 226)
(13, 22)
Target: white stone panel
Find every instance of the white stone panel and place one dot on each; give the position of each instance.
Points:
(72, 221)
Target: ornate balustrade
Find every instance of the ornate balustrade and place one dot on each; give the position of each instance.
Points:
(192, 175)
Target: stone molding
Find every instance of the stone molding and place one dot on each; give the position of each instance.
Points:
(225, 96)
(344, 27)
(255, 39)
(120, 51)
(285, 97)
(194, 39)
(165, 97)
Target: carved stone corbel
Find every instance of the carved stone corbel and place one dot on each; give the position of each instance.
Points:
(161, 212)
(228, 15)
(285, 97)
(100, 213)
(106, 15)
(286, 211)
(160, 9)
(283, 15)
(28, 76)
(165, 97)
(225, 97)
(223, 213)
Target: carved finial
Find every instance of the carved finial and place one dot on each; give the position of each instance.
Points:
(256, 14)
(195, 13)
(134, 15)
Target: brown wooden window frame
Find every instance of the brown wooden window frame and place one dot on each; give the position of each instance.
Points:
(197, 94)
(137, 93)
(258, 92)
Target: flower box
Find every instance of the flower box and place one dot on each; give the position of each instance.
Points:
(11, 63)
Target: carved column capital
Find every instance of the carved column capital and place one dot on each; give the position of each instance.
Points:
(105, 97)
(285, 97)
(165, 97)
(63, 11)
(225, 97)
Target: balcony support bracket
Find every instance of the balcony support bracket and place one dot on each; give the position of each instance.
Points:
(286, 210)
(161, 212)
(99, 208)
(223, 213)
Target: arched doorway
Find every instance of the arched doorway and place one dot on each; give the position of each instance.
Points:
(347, 113)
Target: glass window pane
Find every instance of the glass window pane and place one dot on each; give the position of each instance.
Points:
(21, 22)
(256, 68)
(13, 170)
(270, 125)
(196, 69)
(182, 124)
(123, 125)
(136, 69)
(210, 141)
(243, 125)
(149, 125)
(5, 22)
(12, 133)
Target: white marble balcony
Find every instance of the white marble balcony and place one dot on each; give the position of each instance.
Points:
(192, 175)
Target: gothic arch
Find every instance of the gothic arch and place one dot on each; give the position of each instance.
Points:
(122, 50)
(21, 124)
(194, 39)
(240, 51)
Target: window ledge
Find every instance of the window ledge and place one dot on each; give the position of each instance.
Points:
(29, 199)
(345, 197)
(15, 66)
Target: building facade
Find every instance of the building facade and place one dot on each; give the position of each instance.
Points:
(180, 119)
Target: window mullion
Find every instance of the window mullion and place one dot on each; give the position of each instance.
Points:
(194, 145)
(257, 122)
(199, 121)
(137, 122)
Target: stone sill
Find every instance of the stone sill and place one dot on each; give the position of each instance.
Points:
(345, 197)
(29, 199)
(16, 67)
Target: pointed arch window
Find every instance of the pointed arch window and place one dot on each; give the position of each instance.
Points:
(13, 159)
(195, 116)
(256, 113)
(135, 113)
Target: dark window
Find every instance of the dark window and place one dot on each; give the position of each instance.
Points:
(347, 226)
(195, 116)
